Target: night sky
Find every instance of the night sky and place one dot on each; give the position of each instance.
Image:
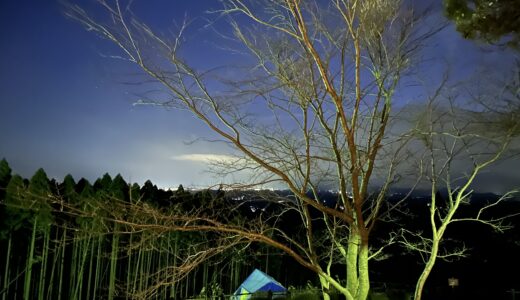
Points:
(67, 107)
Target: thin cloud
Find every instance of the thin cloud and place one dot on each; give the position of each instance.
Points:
(197, 157)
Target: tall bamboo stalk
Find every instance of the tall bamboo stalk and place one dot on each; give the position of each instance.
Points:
(62, 264)
(113, 264)
(28, 273)
(43, 265)
(91, 259)
(56, 254)
(73, 265)
(137, 272)
(97, 279)
(85, 246)
(5, 287)
(129, 269)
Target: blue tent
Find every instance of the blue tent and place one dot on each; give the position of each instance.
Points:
(258, 281)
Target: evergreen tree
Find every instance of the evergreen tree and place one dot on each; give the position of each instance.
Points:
(182, 196)
(87, 197)
(5, 175)
(39, 184)
(135, 192)
(487, 20)
(84, 188)
(15, 216)
(119, 188)
(149, 191)
(180, 189)
(39, 191)
(103, 184)
(164, 197)
(203, 198)
(68, 189)
(14, 189)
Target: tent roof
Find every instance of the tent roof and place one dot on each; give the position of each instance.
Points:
(259, 281)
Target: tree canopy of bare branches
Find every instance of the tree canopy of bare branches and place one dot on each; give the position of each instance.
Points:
(313, 110)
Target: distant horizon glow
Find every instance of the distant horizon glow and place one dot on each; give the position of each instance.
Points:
(204, 158)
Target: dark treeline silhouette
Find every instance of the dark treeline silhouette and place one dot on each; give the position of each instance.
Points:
(50, 254)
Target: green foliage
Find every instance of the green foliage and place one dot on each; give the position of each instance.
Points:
(88, 199)
(5, 173)
(181, 195)
(15, 216)
(180, 190)
(149, 191)
(14, 189)
(39, 184)
(102, 185)
(135, 192)
(68, 188)
(39, 191)
(85, 189)
(5, 177)
(119, 188)
(487, 20)
(212, 291)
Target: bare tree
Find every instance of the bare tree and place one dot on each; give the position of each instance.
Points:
(460, 139)
(324, 74)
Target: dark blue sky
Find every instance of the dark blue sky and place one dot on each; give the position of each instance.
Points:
(64, 105)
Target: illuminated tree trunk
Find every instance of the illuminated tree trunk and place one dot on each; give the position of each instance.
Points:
(97, 280)
(137, 272)
(142, 276)
(205, 284)
(30, 259)
(364, 279)
(62, 264)
(148, 268)
(358, 280)
(175, 252)
(83, 255)
(73, 263)
(16, 284)
(6, 284)
(419, 287)
(90, 264)
(352, 262)
(43, 265)
(129, 270)
(113, 264)
(55, 265)
(325, 285)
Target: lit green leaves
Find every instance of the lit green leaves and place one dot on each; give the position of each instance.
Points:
(487, 20)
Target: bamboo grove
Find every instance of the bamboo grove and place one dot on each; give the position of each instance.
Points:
(51, 252)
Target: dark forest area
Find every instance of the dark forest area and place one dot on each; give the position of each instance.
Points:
(72, 240)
